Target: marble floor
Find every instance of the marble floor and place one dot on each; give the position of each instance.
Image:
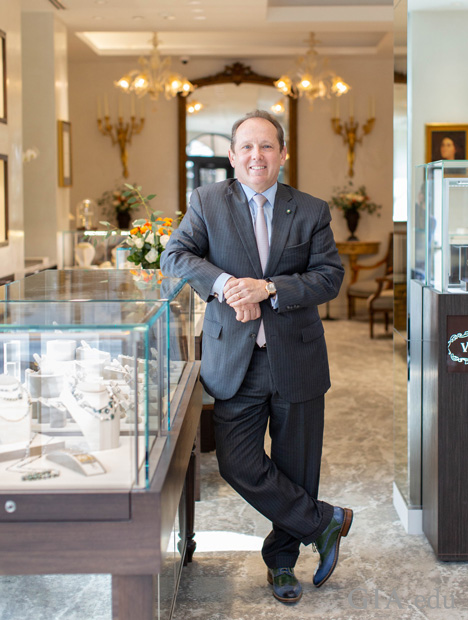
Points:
(382, 573)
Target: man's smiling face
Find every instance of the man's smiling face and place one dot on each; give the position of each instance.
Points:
(256, 156)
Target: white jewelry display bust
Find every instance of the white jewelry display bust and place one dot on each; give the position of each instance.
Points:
(84, 254)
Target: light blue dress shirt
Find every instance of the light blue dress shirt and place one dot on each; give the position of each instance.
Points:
(270, 195)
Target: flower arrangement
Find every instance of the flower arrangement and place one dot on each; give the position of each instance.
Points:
(148, 237)
(148, 240)
(348, 199)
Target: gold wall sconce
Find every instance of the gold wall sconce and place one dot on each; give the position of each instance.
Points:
(349, 130)
(121, 132)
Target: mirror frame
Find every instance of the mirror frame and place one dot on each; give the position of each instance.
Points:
(237, 73)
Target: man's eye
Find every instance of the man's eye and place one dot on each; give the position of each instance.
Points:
(267, 146)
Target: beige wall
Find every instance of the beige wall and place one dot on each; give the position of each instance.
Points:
(322, 155)
(45, 101)
(12, 256)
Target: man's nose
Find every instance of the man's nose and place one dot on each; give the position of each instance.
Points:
(256, 152)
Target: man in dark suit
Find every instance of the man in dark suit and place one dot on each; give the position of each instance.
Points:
(264, 357)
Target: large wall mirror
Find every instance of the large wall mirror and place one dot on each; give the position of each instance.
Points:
(204, 137)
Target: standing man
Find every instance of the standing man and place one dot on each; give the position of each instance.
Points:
(263, 255)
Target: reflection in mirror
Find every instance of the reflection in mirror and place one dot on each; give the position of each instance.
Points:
(209, 131)
(204, 137)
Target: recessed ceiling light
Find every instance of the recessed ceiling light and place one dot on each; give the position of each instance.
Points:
(98, 18)
(197, 10)
(137, 18)
(194, 2)
(101, 1)
(199, 17)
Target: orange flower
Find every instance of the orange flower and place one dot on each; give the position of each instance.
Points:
(134, 231)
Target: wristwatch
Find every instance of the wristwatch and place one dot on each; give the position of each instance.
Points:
(270, 288)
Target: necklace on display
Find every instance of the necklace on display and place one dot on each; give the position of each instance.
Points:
(11, 397)
(103, 413)
(32, 474)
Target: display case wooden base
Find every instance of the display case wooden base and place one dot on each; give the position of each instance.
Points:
(444, 424)
(125, 534)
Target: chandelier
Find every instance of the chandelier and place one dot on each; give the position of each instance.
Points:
(312, 77)
(154, 77)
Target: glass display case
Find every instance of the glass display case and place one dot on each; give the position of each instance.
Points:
(90, 362)
(442, 205)
(85, 249)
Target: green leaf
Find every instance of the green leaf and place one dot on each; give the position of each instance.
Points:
(139, 222)
(105, 224)
(150, 197)
(132, 200)
(129, 186)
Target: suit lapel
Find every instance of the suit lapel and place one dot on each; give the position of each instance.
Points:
(283, 216)
(240, 211)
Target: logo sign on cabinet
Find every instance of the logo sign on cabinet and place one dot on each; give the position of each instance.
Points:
(457, 343)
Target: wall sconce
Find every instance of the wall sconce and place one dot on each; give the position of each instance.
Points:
(349, 130)
(121, 132)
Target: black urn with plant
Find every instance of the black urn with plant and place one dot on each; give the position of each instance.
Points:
(118, 204)
(352, 202)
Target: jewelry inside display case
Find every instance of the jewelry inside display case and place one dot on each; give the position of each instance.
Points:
(90, 363)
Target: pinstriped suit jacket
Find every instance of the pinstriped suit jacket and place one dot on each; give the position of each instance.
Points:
(216, 236)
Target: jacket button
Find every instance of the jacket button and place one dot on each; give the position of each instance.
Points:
(253, 335)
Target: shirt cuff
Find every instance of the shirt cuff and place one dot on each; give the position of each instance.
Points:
(218, 286)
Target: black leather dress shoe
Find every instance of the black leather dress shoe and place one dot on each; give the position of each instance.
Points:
(328, 543)
(286, 588)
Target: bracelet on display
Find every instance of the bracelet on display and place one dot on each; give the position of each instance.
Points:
(80, 462)
(44, 474)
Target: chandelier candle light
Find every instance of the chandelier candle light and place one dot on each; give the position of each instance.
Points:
(154, 77)
(121, 132)
(312, 77)
(349, 130)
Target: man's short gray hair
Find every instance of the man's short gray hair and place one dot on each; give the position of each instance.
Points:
(258, 114)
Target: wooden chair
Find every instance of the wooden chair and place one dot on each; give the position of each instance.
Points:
(365, 287)
(381, 301)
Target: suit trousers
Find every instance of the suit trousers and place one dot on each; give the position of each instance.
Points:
(284, 486)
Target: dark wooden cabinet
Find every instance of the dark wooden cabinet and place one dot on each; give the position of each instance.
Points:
(445, 424)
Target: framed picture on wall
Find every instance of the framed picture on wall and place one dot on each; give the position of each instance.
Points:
(64, 154)
(3, 200)
(3, 78)
(446, 141)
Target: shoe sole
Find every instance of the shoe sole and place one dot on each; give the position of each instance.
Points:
(345, 527)
(280, 598)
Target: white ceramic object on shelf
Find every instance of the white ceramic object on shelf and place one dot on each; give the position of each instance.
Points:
(84, 254)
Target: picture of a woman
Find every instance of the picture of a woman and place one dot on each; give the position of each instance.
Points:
(448, 149)
(446, 142)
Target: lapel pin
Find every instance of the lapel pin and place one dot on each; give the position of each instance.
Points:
(288, 211)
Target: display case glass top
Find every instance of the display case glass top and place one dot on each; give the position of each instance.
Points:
(93, 285)
(90, 362)
(440, 226)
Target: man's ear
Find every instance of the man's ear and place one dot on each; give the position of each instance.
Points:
(284, 152)
(232, 157)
